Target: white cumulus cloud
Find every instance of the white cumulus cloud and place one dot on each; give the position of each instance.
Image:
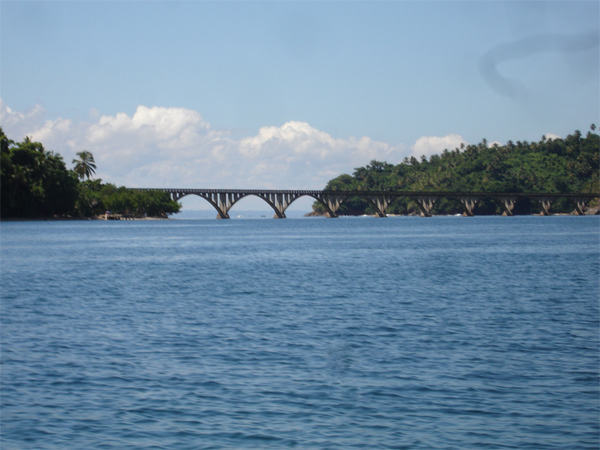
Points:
(176, 147)
(20, 122)
(433, 145)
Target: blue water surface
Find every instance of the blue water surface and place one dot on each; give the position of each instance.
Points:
(398, 333)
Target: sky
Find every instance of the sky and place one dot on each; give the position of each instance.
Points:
(289, 94)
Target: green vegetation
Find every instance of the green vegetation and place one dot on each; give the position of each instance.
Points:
(95, 198)
(85, 166)
(567, 165)
(35, 183)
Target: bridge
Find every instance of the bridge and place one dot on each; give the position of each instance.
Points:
(223, 199)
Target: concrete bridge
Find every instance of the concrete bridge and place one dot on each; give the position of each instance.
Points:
(223, 199)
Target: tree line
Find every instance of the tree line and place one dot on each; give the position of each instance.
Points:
(568, 165)
(35, 183)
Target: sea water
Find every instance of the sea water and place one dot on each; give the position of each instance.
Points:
(403, 333)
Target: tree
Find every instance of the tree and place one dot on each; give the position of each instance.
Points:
(85, 166)
(34, 182)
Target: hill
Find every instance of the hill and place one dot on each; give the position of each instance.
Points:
(569, 165)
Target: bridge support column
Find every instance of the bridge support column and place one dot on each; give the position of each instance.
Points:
(380, 203)
(580, 204)
(508, 203)
(545, 203)
(223, 201)
(279, 202)
(175, 196)
(425, 203)
(331, 203)
(469, 204)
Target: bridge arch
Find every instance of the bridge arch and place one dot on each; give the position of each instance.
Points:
(222, 202)
(328, 203)
(278, 201)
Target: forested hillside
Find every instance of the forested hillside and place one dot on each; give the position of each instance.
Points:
(567, 165)
(35, 183)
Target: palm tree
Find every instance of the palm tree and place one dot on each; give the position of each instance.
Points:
(85, 166)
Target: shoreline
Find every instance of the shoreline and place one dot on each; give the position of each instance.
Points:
(589, 212)
(64, 219)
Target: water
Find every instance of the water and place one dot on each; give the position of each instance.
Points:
(404, 333)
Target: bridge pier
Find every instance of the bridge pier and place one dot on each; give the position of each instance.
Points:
(580, 204)
(279, 202)
(331, 202)
(223, 202)
(380, 202)
(545, 203)
(469, 203)
(507, 202)
(425, 203)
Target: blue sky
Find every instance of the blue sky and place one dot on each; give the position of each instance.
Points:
(289, 94)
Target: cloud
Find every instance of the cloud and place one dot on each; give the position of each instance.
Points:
(432, 145)
(176, 147)
(20, 123)
(552, 136)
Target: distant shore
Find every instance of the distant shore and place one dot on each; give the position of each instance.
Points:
(67, 218)
(595, 210)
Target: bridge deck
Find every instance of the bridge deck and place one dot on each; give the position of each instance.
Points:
(398, 193)
(223, 199)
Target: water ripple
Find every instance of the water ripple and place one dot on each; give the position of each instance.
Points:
(405, 333)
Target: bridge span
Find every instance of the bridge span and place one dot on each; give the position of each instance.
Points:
(223, 199)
